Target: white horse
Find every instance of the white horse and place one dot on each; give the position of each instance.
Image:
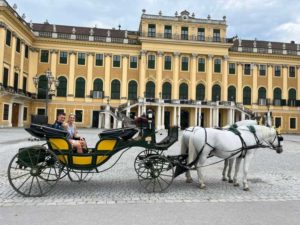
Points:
(224, 144)
(185, 145)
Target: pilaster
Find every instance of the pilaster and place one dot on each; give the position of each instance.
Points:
(208, 89)
(159, 73)
(270, 82)
(142, 73)
(193, 77)
(239, 94)
(71, 74)
(224, 96)
(107, 71)
(285, 82)
(12, 60)
(124, 85)
(175, 88)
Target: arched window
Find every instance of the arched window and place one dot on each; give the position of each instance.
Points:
(166, 90)
(98, 85)
(183, 91)
(115, 89)
(62, 87)
(216, 93)
(132, 90)
(247, 96)
(80, 88)
(231, 94)
(292, 97)
(200, 92)
(262, 93)
(150, 90)
(277, 96)
(42, 85)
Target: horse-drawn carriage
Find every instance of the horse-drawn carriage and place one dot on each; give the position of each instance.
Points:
(34, 170)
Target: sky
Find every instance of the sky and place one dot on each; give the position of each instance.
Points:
(270, 20)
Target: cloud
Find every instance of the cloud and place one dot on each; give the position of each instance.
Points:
(288, 31)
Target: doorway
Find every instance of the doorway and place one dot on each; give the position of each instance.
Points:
(95, 120)
(184, 119)
(167, 119)
(15, 115)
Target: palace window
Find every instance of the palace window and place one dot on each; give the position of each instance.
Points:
(62, 87)
(150, 90)
(247, 96)
(216, 93)
(80, 88)
(18, 45)
(167, 90)
(262, 95)
(277, 97)
(292, 97)
(81, 58)
(185, 63)
(200, 92)
(231, 94)
(133, 62)
(63, 57)
(184, 33)
(168, 62)
(262, 70)
(247, 69)
(216, 35)
(217, 65)
(24, 84)
(277, 122)
(115, 89)
(78, 115)
(5, 77)
(98, 85)
(231, 68)
(5, 111)
(183, 91)
(151, 61)
(41, 111)
(99, 60)
(25, 113)
(132, 90)
(168, 32)
(201, 65)
(292, 71)
(292, 123)
(151, 30)
(44, 56)
(277, 71)
(42, 85)
(116, 61)
(201, 34)
(8, 37)
(26, 51)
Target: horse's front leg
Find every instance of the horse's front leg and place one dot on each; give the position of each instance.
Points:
(236, 172)
(231, 160)
(188, 176)
(247, 160)
(201, 162)
(224, 170)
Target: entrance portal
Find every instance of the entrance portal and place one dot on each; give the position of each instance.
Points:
(167, 119)
(184, 119)
(15, 114)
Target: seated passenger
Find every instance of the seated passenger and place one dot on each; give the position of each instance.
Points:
(59, 123)
(77, 142)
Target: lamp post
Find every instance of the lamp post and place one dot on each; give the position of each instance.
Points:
(50, 79)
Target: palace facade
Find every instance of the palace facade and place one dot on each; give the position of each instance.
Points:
(183, 68)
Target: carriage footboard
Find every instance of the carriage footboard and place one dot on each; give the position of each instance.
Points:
(169, 140)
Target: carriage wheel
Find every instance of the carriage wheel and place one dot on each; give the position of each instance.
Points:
(142, 155)
(155, 173)
(34, 176)
(80, 175)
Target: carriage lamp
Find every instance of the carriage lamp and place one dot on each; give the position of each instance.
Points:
(150, 117)
(51, 81)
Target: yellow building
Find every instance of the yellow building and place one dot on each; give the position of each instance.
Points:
(182, 67)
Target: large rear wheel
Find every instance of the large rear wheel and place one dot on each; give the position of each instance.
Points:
(155, 173)
(33, 172)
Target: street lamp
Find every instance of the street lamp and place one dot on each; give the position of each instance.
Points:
(50, 81)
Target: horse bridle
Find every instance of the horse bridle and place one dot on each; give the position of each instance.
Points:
(279, 140)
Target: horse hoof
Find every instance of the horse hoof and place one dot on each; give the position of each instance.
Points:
(246, 189)
(189, 180)
(224, 179)
(230, 181)
(202, 187)
(236, 184)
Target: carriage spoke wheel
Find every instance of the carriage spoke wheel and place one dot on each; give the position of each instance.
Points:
(80, 175)
(34, 172)
(155, 173)
(142, 155)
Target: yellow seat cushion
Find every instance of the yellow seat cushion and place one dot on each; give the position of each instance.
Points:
(105, 145)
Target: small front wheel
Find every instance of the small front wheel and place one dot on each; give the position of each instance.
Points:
(155, 173)
(33, 172)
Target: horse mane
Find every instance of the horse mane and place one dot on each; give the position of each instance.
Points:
(265, 131)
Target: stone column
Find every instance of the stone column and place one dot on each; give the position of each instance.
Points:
(21, 112)
(195, 117)
(124, 84)
(107, 118)
(233, 116)
(128, 109)
(2, 45)
(89, 79)
(175, 87)
(159, 73)
(12, 60)
(193, 72)
(229, 116)
(285, 82)
(224, 96)
(239, 94)
(199, 117)
(178, 116)
(10, 114)
(210, 117)
(208, 88)
(163, 118)
(142, 73)
(254, 90)
(100, 120)
(33, 59)
(174, 116)
(243, 116)
(139, 111)
(298, 82)
(71, 80)
(158, 118)
(270, 82)
(21, 67)
(107, 70)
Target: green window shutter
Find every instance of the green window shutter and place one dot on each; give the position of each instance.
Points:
(62, 87)
(150, 90)
(183, 91)
(200, 92)
(115, 89)
(167, 90)
(231, 96)
(216, 92)
(247, 96)
(80, 88)
(132, 90)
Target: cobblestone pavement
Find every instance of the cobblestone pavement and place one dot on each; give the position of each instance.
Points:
(272, 177)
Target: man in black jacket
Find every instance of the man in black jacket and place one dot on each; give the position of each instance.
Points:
(59, 121)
